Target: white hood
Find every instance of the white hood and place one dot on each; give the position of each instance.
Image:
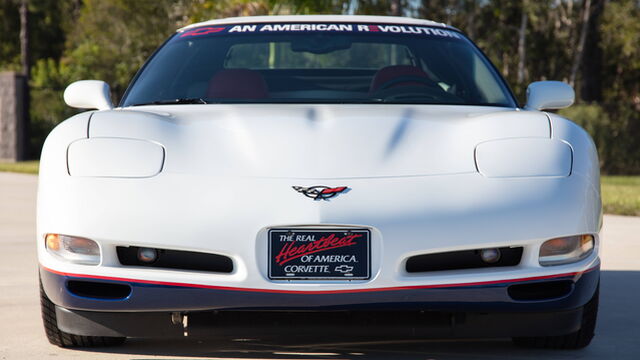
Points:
(319, 141)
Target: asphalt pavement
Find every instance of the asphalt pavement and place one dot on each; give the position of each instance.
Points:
(22, 335)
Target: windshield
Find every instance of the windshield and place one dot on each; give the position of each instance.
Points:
(318, 63)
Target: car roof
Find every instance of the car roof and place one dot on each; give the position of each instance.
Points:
(396, 20)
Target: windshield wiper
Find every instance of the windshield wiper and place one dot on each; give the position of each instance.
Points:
(175, 102)
(294, 101)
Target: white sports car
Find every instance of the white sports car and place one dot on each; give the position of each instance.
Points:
(362, 173)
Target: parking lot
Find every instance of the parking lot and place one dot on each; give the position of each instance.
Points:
(22, 336)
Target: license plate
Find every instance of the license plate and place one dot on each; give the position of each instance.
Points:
(315, 254)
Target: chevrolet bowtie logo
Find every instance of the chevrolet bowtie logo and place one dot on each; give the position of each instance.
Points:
(344, 269)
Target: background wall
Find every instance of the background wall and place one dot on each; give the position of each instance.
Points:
(12, 116)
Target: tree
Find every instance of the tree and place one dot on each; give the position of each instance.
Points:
(9, 36)
(586, 11)
(111, 39)
(24, 37)
(381, 7)
(26, 70)
(620, 33)
(309, 6)
(591, 69)
(522, 43)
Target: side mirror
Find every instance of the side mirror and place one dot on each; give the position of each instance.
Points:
(549, 95)
(88, 94)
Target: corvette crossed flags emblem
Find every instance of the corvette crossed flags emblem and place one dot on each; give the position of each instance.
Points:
(320, 192)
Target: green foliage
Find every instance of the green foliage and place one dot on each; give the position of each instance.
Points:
(9, 40)
(49, 21)
(620, 33)
(596, 121)
(621, 195)
(192, 11)
(112, 38)
(26, 167)
(379, 7)
(48, 81)
(620, 29)
(616, 141)
(309, 6)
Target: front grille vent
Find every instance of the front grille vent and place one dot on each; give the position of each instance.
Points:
(177, 259)
(458, 260)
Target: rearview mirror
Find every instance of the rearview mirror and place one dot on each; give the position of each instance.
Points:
(549, 95)
(88, 94)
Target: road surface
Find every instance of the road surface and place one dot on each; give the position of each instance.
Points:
(22, 336)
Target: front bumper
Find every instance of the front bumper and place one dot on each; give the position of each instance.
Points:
(406, 217)
(461, 310)
(232, 217)
(494, 296)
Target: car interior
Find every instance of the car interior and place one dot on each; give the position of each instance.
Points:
(322, 68)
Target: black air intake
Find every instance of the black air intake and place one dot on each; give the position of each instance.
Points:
(176, 259)
(465, 259)
(540, 291)
(98, 290)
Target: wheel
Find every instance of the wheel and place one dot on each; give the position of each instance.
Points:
(574, 340)
(63, 339)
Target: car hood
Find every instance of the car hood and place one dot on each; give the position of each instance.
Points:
(318, 141)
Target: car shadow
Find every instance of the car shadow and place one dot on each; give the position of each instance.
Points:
(616, 338)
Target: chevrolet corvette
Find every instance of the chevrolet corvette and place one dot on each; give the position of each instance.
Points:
(360, 173)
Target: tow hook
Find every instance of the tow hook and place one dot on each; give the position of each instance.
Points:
(181, 319)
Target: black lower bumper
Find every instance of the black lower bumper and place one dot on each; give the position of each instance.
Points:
(330, 324)
(450, 313)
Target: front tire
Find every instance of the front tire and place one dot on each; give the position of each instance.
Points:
(60, 338)
(574, 340)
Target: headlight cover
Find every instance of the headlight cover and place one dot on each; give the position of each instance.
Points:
(115, 157)
(566, 250)
(524, 157)
(73, 249)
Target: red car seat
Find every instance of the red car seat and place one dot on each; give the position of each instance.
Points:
(389, 73)
(237, 84)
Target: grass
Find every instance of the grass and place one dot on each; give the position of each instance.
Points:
(26, 167)
(620, 194)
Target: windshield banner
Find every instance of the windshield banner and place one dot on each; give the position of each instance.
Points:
(358, 28)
